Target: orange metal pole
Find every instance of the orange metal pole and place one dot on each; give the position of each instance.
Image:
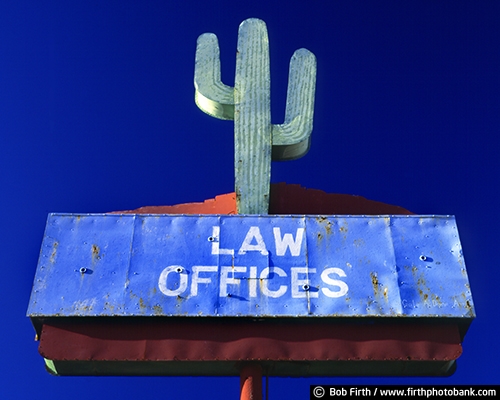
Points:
(251, 381)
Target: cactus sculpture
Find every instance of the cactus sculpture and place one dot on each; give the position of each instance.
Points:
(257, 141)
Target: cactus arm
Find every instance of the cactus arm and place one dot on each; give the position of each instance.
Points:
(291, 140)
(252, 119)
(211, 95)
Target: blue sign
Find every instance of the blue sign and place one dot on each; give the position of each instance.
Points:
(251, 266)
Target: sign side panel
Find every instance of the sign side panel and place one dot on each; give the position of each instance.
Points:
(432, 276)
(82, 266)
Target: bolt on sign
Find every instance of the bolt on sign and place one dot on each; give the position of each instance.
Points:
(301, 295)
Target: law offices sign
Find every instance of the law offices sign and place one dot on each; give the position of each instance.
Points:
(288, 266)
(294, 295)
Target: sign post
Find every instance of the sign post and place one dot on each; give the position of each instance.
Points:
(251, 382)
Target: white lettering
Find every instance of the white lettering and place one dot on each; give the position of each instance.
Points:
(264, 276)
(301, 283)
(253, 234)
(196, 279)
(174, 281)
(343, 288)
(252, 282)
(182, 284)
(225, 279)
(288, 242)
(215, 242)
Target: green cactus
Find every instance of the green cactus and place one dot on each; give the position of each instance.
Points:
(257, 141)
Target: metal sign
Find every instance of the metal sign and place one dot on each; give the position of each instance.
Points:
(251, 266)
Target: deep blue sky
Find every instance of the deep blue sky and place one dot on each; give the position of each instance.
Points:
(97, 114)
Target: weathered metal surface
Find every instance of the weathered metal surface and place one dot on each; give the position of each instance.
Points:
(170, 346)
(265, 266)
(257, 141)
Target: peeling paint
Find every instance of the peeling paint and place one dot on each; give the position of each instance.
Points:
(375, 283)
(54, 252)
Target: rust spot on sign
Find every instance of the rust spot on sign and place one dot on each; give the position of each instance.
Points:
(326, 224)
(328, 228)
(54, 252)
(142, 304)
(423, 290)
(375, 283)
(95, 253)
(157, 309)
(343, 230)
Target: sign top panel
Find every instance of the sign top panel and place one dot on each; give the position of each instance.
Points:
(251, 266)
